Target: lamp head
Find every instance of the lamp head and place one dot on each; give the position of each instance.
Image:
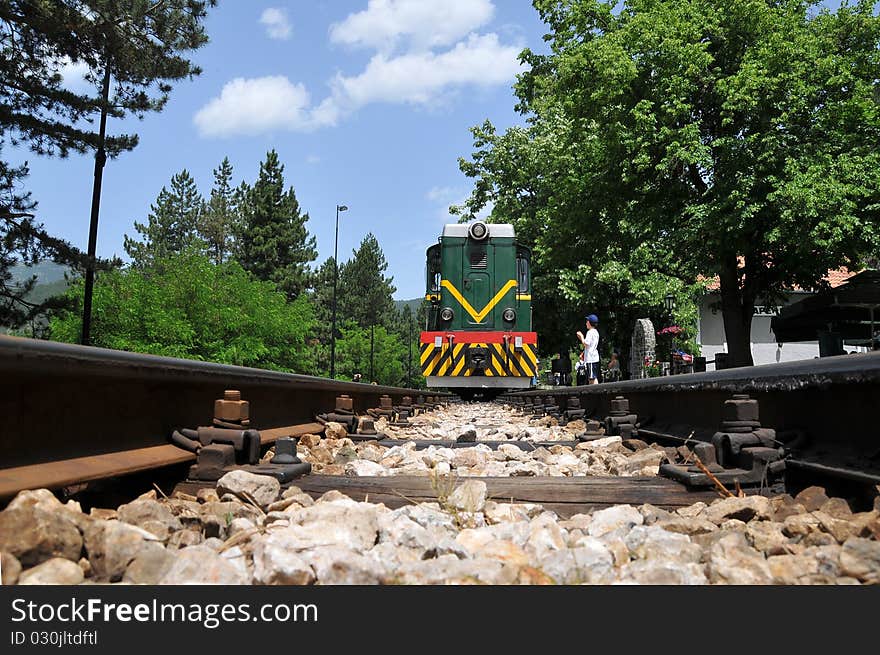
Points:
(341, 208)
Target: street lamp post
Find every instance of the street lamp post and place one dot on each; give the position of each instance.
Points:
(339, 208)
(669, 304)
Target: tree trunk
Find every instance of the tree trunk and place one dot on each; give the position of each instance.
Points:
(737, 311)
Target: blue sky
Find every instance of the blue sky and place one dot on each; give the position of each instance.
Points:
(368, 103)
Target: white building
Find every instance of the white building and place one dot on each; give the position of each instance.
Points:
(765, 349)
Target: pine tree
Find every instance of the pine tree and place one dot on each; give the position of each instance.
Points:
(274, 243)
(140, 43)
(172, 224)
(364, 291)
(218, 215)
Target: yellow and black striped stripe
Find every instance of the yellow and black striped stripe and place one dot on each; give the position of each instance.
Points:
(452, 362)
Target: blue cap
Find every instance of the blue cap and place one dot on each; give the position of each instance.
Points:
(592, 318)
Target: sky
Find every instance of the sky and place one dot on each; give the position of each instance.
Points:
(367, 102)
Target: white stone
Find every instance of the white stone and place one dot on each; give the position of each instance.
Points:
(653, 542)
(363, 467)
(262, 489)
(591, 562)
(732, 561)
(662, 572)
(57, 570)
(335, 565)
(277, 561)
(203, 566)
(611, 518)
(470, 496)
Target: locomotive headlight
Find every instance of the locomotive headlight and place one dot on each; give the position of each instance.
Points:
(478, 231)
(446, 314)
(509, 315)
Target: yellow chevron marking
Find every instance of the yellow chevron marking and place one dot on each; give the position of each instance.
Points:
(459, 366)
(477, 316)
(527, 349)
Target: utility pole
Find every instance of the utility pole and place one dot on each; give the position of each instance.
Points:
(100, 160)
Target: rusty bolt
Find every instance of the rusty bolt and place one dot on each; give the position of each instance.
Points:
(343, 403)
(385, 402)
(406, 402)
(619, 406)
(231, 407)
(741, 408)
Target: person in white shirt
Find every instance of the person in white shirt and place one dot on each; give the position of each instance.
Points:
(591, 349)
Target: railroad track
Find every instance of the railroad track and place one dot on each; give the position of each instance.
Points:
(75, 415)
(820, 415)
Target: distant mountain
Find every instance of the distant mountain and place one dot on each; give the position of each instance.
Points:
(414, 304)
(46, 271)
(50, 281)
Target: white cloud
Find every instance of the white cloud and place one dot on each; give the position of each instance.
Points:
(442, 193)
(255, 106)
(277, 25)
(415, 75)
(424, 23)
(313, 159)
(420, 77)
(447, 196)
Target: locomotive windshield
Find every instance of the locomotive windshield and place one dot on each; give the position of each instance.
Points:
(433, 281)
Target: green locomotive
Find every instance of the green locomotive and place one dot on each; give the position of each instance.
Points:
(479, 333)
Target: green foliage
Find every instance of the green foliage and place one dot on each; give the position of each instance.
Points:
(676, 139)
(353, 350)
(189, 307)
(273, 242)
(172, 225)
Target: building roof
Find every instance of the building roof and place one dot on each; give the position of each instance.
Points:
(834, 279)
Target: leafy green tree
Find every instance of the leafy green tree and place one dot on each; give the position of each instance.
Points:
(689, 138)
(187, 306)
(172, 225)
(388, 354)
(142, 43)
(274, 243)
(364, 294)
(218, 216)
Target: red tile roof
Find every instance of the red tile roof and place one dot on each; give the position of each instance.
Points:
(834, 278)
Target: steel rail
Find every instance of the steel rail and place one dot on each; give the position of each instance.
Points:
(829, 405)
(73, 413)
